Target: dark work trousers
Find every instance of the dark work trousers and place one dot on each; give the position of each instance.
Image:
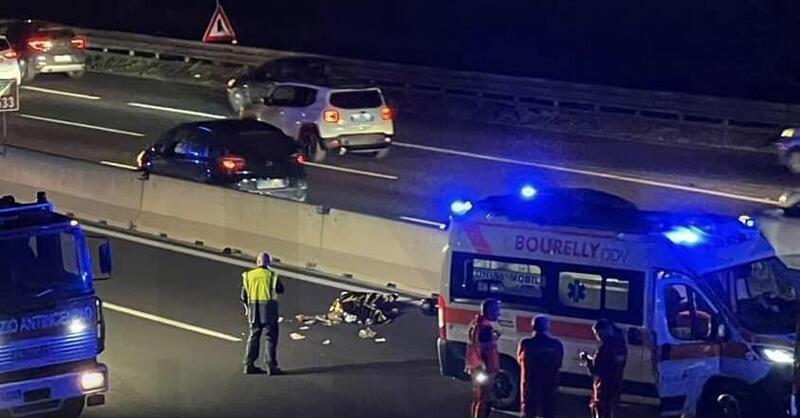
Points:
(254, 343)
(539, 397)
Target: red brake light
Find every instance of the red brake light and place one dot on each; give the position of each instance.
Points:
(40, 44)
(386, 113)
(78, 42)
(331, 116)
(10, 54)
(231, 164)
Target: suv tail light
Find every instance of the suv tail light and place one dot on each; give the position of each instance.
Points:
(330, 116)
(386, 113)
(40, 44)
(78, 42)
(10, 54)
(442, 317)
(231, 164)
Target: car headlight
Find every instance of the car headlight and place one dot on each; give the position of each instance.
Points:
(787, 133)
(777, 355)
(93, 381)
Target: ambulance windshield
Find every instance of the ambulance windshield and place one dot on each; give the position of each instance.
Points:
(762, 293)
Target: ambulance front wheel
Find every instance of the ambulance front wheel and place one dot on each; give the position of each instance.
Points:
(507, 396)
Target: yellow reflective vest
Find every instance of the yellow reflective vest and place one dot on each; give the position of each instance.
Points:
(260, 288)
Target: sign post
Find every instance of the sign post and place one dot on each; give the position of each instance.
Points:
(9, 102)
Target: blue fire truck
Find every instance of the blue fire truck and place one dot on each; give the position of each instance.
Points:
(51, 321)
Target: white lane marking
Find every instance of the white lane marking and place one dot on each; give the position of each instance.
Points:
(227, 260)
(80, 125)
(424, 222)
(590, 173)
(352, 171)
(175, 110)
(120, 165)
(166, 321)
(60, 93)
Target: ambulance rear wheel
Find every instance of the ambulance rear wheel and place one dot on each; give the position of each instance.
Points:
(506, 386)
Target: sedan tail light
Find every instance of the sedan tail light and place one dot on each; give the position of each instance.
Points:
(79, 42)
(10, 54)
(40, 44)
(231, 164)
(330, 116)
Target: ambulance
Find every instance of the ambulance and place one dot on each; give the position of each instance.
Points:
(706, 305)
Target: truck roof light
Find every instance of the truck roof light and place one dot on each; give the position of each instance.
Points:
(682, 235)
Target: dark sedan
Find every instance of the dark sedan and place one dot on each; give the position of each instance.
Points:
(245, 154)
(45, 48)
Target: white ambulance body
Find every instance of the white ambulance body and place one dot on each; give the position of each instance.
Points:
(703, 300)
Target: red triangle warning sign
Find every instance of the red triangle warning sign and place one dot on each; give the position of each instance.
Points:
(220, 28)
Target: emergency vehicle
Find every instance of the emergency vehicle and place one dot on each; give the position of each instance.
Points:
(705, 304)
(51, 321)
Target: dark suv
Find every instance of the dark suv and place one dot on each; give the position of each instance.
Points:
(245, 154)
(45, 48)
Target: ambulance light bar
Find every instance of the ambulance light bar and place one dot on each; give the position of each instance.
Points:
(527, 192)
(682, 235)
(460, 207)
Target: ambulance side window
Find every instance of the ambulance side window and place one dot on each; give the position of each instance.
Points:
(599, 293)
(689, 317)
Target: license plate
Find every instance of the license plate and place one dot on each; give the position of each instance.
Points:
(63, 58)
(271, 184)
(11, 395)
(361, 117)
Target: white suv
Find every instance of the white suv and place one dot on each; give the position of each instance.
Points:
(9, 62)
(326, 116)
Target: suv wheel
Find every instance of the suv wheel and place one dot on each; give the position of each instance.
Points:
(381, 153)
(76, 74)
(312, 146)
(793, 161)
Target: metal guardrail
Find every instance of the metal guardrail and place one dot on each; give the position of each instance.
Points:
(678, 107)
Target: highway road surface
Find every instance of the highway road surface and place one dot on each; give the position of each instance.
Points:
(173, 322)
(110, 118)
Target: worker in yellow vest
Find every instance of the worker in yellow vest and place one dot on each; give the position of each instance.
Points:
(260, 289)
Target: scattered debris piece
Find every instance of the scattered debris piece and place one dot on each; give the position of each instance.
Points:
(326, 342)
(366, 332)
(297, 336)
(379, 308)
(380, 340)
(310, 322)
(324, 320)
(303, 328)
(280, 319)
(348, 318)
(303, 317)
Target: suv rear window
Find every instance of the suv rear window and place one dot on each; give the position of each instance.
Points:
(261, 144)
(356, 99)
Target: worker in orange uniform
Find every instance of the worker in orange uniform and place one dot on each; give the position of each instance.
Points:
(483, 359)
(540, 359)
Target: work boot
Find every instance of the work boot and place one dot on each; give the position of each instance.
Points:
(276, 371)
(251, 369)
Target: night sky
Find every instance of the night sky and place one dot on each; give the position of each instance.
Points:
(737, 48)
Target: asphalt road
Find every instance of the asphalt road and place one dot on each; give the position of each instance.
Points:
(160, 370)
(433, 161)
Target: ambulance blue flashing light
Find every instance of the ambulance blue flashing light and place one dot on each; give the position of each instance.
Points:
(460, 207)
(747, 221)
(527, 192)
(682, 235)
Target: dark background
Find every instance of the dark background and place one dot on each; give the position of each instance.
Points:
(734, 48)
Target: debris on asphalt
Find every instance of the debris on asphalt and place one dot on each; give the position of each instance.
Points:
(297, 336)
(324, 320)
(303, 328)
(380, 340)
(349, 319)
(366, 307)
(326, 342)
(310, 321)
(366, 333)
(280, 319)
(303, 317)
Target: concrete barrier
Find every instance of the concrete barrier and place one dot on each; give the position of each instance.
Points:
(365, 248)
(91, 191)
(380, 251)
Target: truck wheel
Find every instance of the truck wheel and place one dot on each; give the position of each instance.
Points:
(71, 408)
(507, 396)
(312, 146)
(76, 74)
(793, 162)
